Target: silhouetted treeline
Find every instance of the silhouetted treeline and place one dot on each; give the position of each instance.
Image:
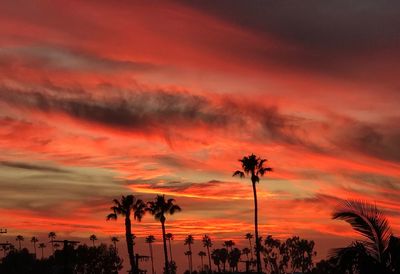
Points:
(100, 259)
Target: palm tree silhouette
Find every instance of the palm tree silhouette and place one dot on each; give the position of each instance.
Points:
(34, 240)
(207, 243)
(216, 258)
(159, 208)
(42, 246)
(188, 254)
(189, 240)
(150, 239)
(229, 244)
(125, 207)
(249, 236)
(170, 237)
(254, 166)
(375, 252)
(19, 239)
(202, 254)
(93, 238)
(56, 246)
(52, 236)
(115, 240)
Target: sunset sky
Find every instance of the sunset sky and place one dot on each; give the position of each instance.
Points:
(103, 98)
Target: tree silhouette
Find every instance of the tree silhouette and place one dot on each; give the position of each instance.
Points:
(375, 252)
(19, 239)
(189, 240)
(42, 246)
(93, 238)
(170, 237)
(34, 240)
(229, 244)
(159, 208)
(253, 166)
(207, 243)
(150, 239)
(188, 254)
(234, 258)
(215, 255)
(249, 236)
(125, 207)
(202, 254)
(52, 236)
(115, 240)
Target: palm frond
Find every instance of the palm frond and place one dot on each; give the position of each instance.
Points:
(370, 222)
(112, 216)
(238, 173)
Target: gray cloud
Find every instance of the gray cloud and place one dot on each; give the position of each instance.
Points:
(50, 57)
(28, 166)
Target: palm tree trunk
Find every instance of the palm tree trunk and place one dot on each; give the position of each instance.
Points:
(129, 243)
(170, 250)
(209, 258)
(52, 245)
(151, 256)
(190, 258)
(202, 265)
(42, 254)
(259, 270)
(165, 246)
(34, 248)
(251, 249)
(19, 242)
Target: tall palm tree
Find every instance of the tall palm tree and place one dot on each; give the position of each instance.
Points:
(374, 252)
(202, 254)
(125, 207)
(189, 240)
(253, 166)
(115, 240)
(188, 254)
(249, 236)
(52, 236)
(93, 238)
(42, 246)
(159, 208)
(170, 237)
(150, 239)
(19, 239)
(34, 240)
(207, 243)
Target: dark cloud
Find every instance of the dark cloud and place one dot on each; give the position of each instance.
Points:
(378, 140)
(325, 37)
(149, 111)
(32, 167)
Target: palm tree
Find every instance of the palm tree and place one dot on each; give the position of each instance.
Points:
(42, 246)
(150, 239)
(249, 236)
(189, 240)
(34, 240)
(216, 258)
(374, 253)
(202, 254)
(159, 208)
(52, 236)
(115, 240)
(188, 254)
(170, 237)
(207, 243)
(57, 246)
(124, 207)
(19, 239)
(229, 244)
(93, 238)
(254, 166)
